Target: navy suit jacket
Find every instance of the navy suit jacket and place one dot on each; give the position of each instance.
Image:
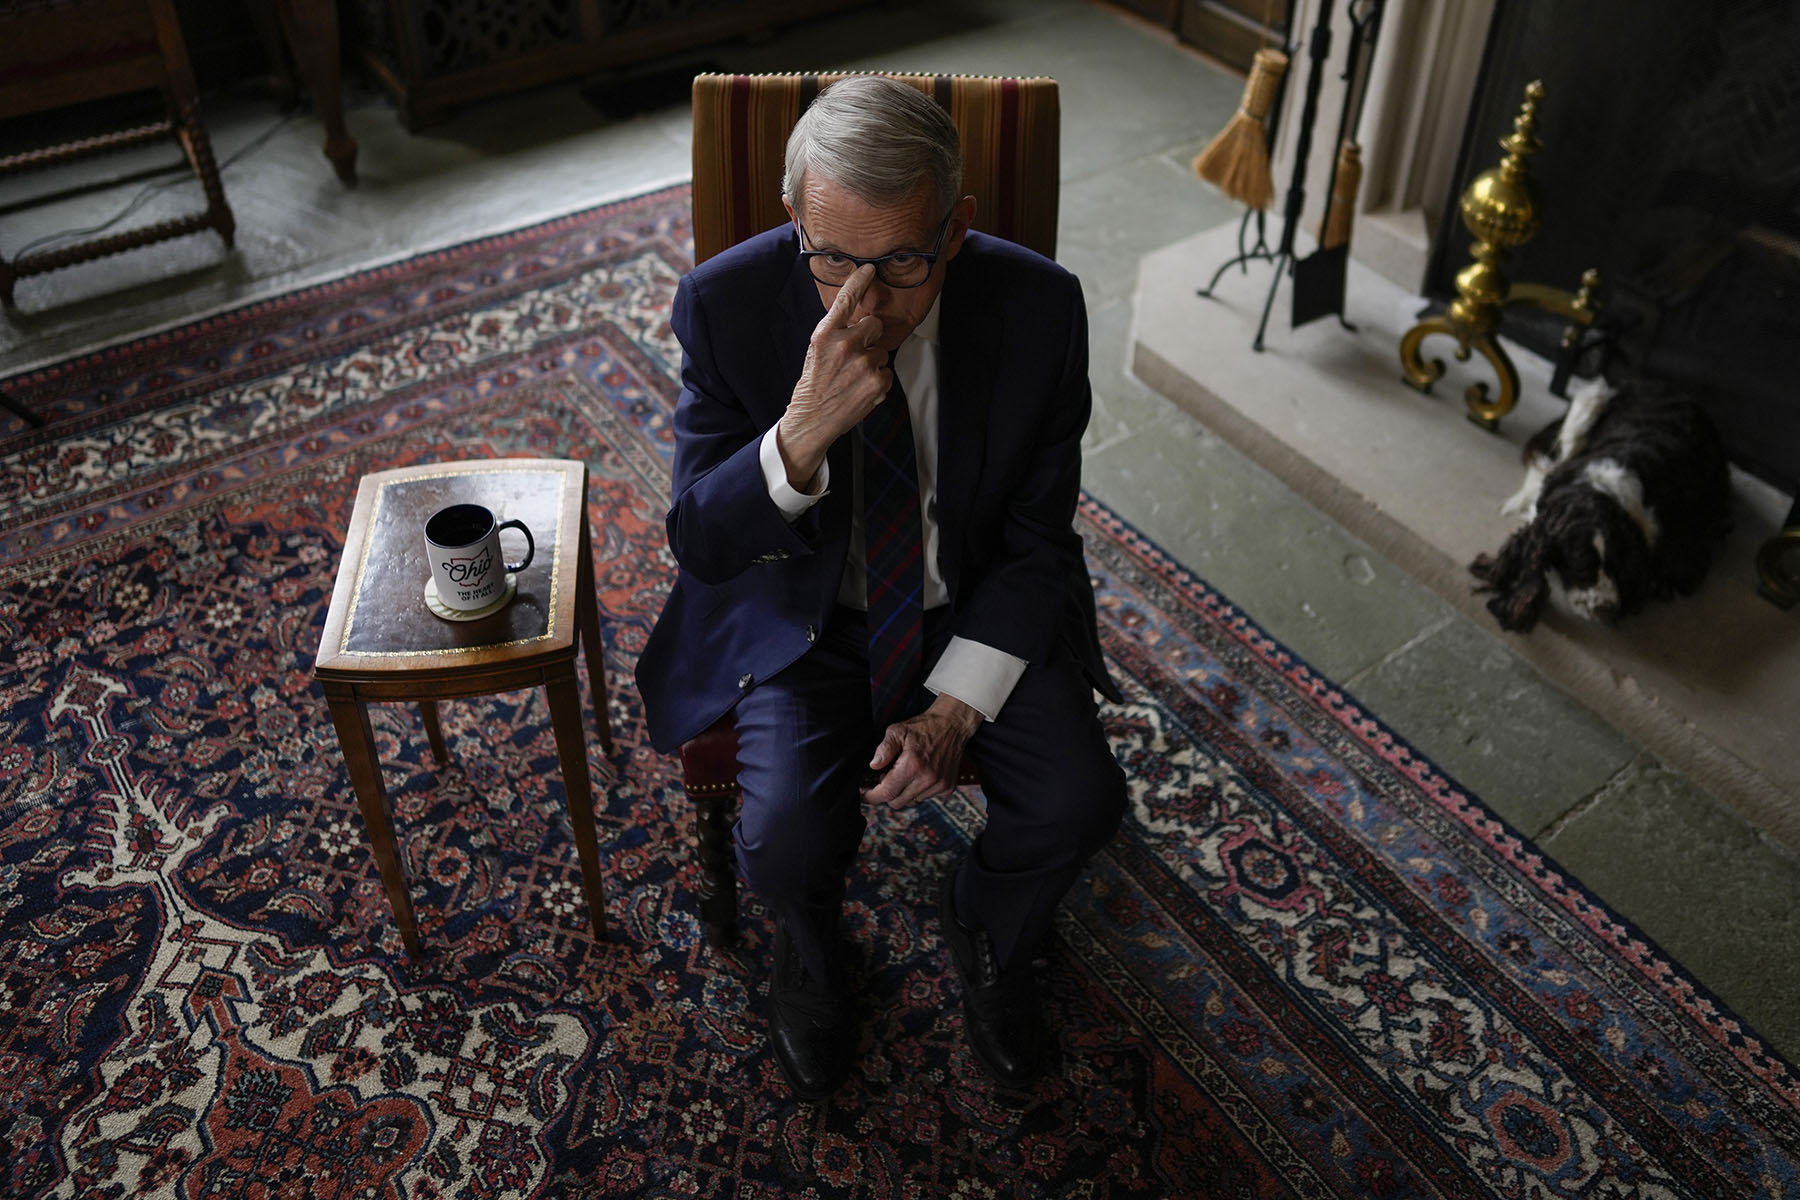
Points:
(753, 591)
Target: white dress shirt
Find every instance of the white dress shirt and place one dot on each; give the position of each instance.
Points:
(973, 672)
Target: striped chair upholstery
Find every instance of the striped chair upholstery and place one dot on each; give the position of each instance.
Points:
(1011, 150)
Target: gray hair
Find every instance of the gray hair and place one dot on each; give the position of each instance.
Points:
(877, 138)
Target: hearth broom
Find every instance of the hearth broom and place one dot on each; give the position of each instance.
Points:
(1334, 226)
(1237, 160)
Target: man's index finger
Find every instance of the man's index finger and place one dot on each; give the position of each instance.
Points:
(850, 295)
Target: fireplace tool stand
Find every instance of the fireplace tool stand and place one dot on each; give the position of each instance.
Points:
(1318, 278)
(1502, 208)
(1248, 254)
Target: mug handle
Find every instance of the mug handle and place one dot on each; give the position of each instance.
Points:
(530, 546)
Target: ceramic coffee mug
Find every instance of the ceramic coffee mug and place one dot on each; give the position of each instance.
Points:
(467, 565)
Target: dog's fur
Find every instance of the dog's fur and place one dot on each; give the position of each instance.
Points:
(1624, 498)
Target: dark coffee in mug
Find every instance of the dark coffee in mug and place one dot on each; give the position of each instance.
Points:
(467, 566)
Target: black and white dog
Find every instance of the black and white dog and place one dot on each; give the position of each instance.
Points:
(1624, 496)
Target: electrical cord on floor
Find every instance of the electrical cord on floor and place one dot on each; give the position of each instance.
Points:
(144, 194)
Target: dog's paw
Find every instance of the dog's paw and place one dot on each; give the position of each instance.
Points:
(1524, 501)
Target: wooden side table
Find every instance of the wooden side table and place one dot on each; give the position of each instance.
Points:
(382, 644)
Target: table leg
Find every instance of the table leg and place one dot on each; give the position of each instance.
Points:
(571, 750)
(434, 731)
(588, 608)
(358, 741)
(312, 32)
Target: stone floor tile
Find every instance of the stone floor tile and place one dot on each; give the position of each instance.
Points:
(1321, 592)
(1721, 899)
(1493, 724)
(1103, 218)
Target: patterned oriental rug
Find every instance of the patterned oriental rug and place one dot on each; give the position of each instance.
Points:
(1310, 965)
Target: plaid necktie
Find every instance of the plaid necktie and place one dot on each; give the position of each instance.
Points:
(894, 549)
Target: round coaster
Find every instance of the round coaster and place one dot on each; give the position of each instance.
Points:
(440, 609)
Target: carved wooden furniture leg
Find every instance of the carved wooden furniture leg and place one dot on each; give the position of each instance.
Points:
(718, 869)
(358, 741)
(184, 100)
(312, 33)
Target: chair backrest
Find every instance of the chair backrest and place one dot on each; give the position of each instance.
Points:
(1011, 144)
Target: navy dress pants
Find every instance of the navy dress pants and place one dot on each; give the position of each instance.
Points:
(1055, 794)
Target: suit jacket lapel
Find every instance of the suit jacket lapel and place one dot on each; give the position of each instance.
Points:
(969, 341)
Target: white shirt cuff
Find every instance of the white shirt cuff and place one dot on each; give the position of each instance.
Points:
(977, 674)
(789, 499)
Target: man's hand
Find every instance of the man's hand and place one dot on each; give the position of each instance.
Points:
(842, 382)
(921, 754)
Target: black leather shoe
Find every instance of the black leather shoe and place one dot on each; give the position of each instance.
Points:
(809, 1024)
(1000, 1007)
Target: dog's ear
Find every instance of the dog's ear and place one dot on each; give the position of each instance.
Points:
(1632, 565)
(1516, 577)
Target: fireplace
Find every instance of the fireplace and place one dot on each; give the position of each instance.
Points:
(1671, 162)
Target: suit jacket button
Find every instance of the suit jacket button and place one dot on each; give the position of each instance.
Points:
(812, 633)
(744, 680)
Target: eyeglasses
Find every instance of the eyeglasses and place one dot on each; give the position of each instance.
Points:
(902, 269)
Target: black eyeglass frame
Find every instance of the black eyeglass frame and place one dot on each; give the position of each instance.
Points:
(930, 258)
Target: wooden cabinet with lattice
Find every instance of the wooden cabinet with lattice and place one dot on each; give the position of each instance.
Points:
(436, 55)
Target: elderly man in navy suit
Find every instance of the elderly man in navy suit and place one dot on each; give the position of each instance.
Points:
(877, 458)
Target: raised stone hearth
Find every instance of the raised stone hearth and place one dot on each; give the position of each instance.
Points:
(1709, 683)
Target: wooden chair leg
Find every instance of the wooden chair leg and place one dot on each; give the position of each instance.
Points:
(718, 870)
(589, 609)
(358, 741)
(184, 105)
(571, 750)
(312, 32)
(434, 731)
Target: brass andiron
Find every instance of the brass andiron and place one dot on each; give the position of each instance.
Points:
(1502, 209)
(1778, 563)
